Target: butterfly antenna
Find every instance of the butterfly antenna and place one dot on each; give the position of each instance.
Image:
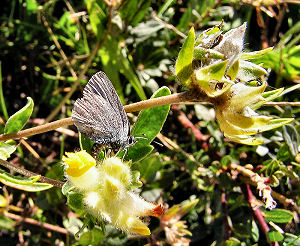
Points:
(143, 134)
(160, 144)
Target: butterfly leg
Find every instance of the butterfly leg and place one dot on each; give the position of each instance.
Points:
(97, 148)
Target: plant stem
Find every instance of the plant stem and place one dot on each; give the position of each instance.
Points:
(2, 101)
(256, 211)
(37, 130)
(286, 202)
(171, 99)
(46, 226)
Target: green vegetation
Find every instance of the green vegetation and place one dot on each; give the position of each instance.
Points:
(222, 79)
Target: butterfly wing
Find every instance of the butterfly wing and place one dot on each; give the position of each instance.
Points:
(100, 114)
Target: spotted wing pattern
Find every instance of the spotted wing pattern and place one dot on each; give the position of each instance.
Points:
(100, 114)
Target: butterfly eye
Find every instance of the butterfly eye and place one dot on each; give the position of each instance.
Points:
(131, 140)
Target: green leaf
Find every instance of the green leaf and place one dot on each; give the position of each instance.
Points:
(85, 143)
(283, 153)
(185, 20)
(294, 54)
(109, 55)
(183, 67)
(128, 10)
(18, 120)
(275, 123)
(254, 231)
(164, 7)
(268, 96)
(272, 166)
(135, 183)
(253, 69)
(149, 166)
(149, 122)
(202, 53)
(31, 5)
(187, 207)
(75, 200)
(67, 187)
(233, 70)
(291, 138)
(232, 242)
(97, 17)
(140, 13)
(213, 73)
(290, 89)
(22, 183)
(225, 161)
(7, 148)
(255, 54)
(92, 237)
(3, 201)
(126, 70)
(73, 224)
(6, 223)
(17, 179)
(2, 100)
(275, 236)
(291, 239)
(278, 215)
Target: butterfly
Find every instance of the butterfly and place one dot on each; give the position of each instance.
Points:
(100, 115)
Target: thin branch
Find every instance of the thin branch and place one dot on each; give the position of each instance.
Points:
(62, 53)
(287, 202)
(173, 146)
(37, 223)
(256, 211)
(31, 150)
(30, 174)
(169, 26)
(278, 24)
(253, 179)
(227, 229)
(37, 130)
(171, 99)
(207, 13)
(292, 104)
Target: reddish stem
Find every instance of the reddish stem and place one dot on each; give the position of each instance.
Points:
(256, 211)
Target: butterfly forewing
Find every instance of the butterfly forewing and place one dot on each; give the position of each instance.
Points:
(101, 85)
(100, 114)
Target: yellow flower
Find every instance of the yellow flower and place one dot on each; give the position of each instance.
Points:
(81, 170)
(236, 118)
(106, 192)
(215, 65)
(78, 163)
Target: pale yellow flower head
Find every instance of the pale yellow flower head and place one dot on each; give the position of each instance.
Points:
(107, 194)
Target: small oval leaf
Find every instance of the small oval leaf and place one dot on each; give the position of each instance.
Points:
(6, 149)
(19, 180)
(30, 188)
(279, 215)
(275, 236)
(18, 120)
(183, 67)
